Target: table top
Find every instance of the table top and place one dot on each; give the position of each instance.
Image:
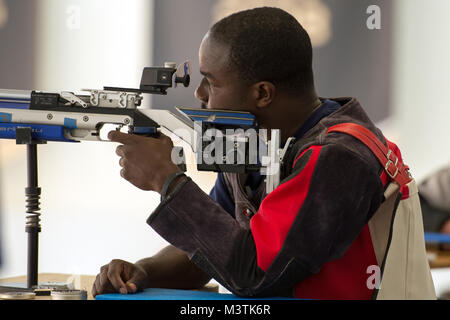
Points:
(80, 282)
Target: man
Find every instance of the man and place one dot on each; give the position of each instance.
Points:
(309, 238)
(434, 199)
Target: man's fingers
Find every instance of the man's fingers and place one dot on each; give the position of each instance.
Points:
(131, 287)
(124, 174)
(117, 136)
(119, 151)
(101, 284)
(126, 138)
(98, 288)
(165, 139)
(94, 289)
(115, 277)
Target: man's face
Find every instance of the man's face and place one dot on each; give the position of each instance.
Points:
(221, 87)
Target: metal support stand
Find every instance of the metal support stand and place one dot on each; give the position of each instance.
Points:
(32, 195)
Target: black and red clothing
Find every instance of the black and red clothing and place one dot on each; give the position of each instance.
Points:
(309, 238)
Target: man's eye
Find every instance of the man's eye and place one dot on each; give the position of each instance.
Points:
(208, 84)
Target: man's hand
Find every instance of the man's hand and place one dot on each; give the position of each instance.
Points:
(120, 276)
(146, 162)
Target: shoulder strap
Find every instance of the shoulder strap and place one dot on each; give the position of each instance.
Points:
(395, 169)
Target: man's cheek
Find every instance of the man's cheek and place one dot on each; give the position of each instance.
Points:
(218, 100)
(222, 104)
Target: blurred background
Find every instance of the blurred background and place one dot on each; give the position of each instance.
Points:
(392, 56)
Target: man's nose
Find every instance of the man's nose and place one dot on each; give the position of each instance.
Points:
(201, 95)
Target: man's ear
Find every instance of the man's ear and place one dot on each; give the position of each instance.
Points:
(263, 93)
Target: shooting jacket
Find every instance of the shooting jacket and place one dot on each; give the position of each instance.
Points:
(321, 234)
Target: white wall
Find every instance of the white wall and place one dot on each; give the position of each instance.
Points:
(91, 44)
(90, 215)
(421, 83)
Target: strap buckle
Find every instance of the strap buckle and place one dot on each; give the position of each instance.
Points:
(391, 164)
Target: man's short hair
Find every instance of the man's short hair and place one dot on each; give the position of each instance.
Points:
(267, 44)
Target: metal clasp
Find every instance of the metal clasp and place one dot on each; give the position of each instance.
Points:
(73, 99)
(389, 164)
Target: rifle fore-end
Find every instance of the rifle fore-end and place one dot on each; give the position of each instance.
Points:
(52, 117)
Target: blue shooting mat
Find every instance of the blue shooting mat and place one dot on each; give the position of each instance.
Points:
(175, 294)
(433, 237)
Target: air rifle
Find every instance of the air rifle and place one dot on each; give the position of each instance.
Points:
(222, 140)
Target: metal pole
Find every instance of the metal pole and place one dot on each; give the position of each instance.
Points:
(32, 226)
